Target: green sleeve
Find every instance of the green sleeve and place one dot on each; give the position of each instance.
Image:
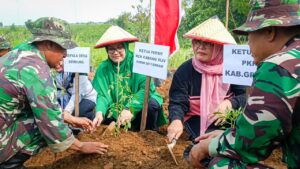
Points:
(100, 85)
(136, 104)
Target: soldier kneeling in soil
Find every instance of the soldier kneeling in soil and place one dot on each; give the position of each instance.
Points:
(30, 116)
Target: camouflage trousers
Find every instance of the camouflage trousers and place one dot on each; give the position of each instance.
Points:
(21, 135)
(227, 163)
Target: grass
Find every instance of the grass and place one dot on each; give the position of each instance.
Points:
(86, 35)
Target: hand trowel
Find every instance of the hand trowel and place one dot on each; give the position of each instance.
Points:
(170, 147)
(110, 127)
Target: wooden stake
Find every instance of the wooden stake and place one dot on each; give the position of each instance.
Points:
(145, 105)
(147, 88)
(77, 94)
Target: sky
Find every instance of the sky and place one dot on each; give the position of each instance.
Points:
(18, 11)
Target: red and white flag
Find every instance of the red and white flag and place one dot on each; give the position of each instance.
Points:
(165, 20)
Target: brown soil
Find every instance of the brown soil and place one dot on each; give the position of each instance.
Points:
(145, 150)
(132, 150)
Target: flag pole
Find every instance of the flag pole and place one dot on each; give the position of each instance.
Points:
(147, 87)
(227, 13)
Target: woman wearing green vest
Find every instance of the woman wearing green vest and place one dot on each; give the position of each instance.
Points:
(120, 91)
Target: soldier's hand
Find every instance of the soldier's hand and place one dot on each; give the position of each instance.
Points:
(93, 147)
(221, 110)
(198, 153)
(97, 120)
(124, 117)
(175, 130)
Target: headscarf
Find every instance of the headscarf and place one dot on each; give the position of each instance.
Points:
(213, 90)
(133, 85)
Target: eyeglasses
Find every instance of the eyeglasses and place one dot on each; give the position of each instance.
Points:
(204, 44)
(112, 50)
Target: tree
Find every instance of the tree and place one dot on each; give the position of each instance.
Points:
(1, 24)
(201, 10)
(124, 20)
(13, 27)
(137, 24)
(141, 21)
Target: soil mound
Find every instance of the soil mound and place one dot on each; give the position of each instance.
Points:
(132, 150)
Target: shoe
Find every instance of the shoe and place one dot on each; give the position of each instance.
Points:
(75, 130)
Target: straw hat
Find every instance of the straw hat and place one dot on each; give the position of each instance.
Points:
(211, 30)
(115, 34)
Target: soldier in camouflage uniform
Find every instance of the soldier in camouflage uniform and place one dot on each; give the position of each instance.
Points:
(272, 115)
(30, 117)
(4, 46)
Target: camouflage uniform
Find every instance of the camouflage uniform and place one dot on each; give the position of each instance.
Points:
(272, 114)
(30, 117)
(4, 44)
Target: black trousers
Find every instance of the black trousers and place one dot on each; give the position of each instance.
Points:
(86, 109)
(15, 162)
(192, 127)
(153, 110)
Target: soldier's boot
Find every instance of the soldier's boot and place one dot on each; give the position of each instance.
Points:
(15, 162)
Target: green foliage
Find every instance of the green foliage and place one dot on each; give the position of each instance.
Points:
(122, 97)
(124, 20)
(15, 34)
(141, 22)
(230, 116)
(201, 10)
(196, 11)
(181, 56)
(85, 35)
(137, 24)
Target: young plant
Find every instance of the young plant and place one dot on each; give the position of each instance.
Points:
(124, 94)
(229, 117)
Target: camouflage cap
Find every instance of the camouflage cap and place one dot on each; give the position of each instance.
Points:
(266, 13)
(52, 29)
(4, 44)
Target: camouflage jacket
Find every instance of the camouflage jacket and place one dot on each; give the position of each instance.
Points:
(30, 116)
(272, 114)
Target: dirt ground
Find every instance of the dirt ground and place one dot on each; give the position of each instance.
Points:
(131, 150)
(145, 149)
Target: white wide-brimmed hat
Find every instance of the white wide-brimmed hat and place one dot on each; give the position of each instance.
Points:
(115, 34)
(211, 30)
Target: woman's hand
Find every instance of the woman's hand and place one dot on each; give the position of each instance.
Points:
(220, 111)
(125, 117)
(175, 130)
(209, 135)
(97, 120)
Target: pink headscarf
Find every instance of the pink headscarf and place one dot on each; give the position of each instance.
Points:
(213, 90)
